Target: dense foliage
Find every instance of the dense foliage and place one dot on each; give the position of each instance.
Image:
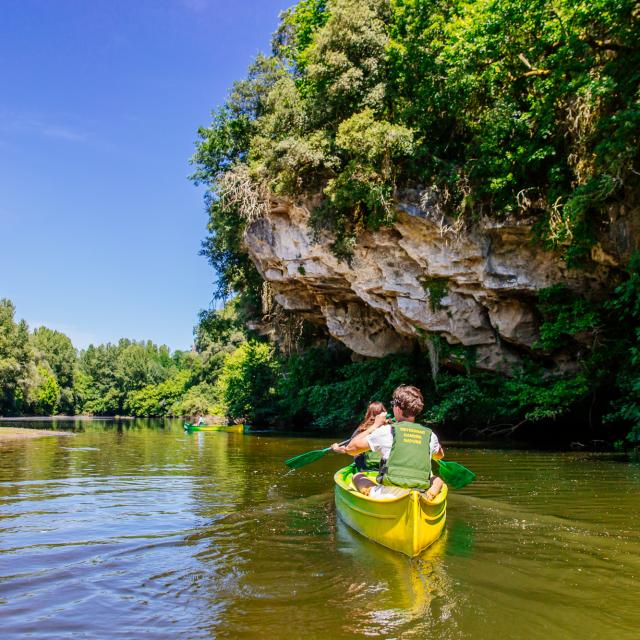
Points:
(490, 108)
(15, 358)
(235, 374)
(42, 373)
(227, 374)
(626, 305)
(496, 107)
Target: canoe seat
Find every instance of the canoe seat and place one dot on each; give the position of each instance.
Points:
(382, 493)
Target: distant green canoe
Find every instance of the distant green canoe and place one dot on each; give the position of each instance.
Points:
(228, 428)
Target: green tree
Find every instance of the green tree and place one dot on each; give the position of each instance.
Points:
(200, 399)
(15, 358)
(218, 333)
(98, 384)
(138, 365)
(626, 306)
(111, 372)
(56, 350)
(246, 384)
(158, 399)
(46, 394)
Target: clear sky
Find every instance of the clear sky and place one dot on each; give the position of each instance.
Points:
(100, 102)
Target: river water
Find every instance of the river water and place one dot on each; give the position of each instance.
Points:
(138, 530)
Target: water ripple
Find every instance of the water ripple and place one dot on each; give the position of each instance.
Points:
(150, 533)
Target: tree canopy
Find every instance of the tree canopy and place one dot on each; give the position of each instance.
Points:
(499, 107)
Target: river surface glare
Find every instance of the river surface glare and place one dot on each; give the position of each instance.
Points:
(138, 530)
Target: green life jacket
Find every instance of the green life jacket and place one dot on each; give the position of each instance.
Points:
(368, 461)
(409, 462)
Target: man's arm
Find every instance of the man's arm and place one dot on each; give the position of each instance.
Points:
(354, 448)
(358, 444)
(438, 454)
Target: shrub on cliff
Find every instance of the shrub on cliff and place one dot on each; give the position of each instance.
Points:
(506, 107)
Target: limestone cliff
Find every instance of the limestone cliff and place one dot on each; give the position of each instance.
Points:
(475, 287)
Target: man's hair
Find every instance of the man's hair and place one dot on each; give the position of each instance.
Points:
(408, 399)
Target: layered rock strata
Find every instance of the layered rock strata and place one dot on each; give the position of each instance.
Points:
(473, 287)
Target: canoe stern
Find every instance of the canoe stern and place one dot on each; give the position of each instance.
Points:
(408, 524)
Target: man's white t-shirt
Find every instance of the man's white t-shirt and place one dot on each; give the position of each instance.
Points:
(382, 440)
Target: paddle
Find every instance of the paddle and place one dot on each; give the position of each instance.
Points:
(453, 473)
(310, 456)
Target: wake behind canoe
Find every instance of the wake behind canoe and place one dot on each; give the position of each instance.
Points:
(407, 522)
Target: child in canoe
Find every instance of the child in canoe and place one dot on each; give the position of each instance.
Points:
(406, 447)
(369, 460)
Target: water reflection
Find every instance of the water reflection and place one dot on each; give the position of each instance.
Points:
(421, 590)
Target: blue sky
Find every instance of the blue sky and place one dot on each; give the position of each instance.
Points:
(99, 226)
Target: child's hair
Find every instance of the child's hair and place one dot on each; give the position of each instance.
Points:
(408, 399)
(373, 410)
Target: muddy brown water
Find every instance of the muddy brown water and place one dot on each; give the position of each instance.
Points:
(138, 530)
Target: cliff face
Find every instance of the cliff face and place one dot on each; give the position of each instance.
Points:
(423, 277)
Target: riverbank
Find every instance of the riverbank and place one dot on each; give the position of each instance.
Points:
(19, 433)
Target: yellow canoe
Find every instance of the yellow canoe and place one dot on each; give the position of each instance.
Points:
(408, 523)
(229, 428)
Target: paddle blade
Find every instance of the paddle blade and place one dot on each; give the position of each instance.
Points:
(306, 458)
(453, 473)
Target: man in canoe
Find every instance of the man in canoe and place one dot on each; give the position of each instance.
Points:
(406, 448)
